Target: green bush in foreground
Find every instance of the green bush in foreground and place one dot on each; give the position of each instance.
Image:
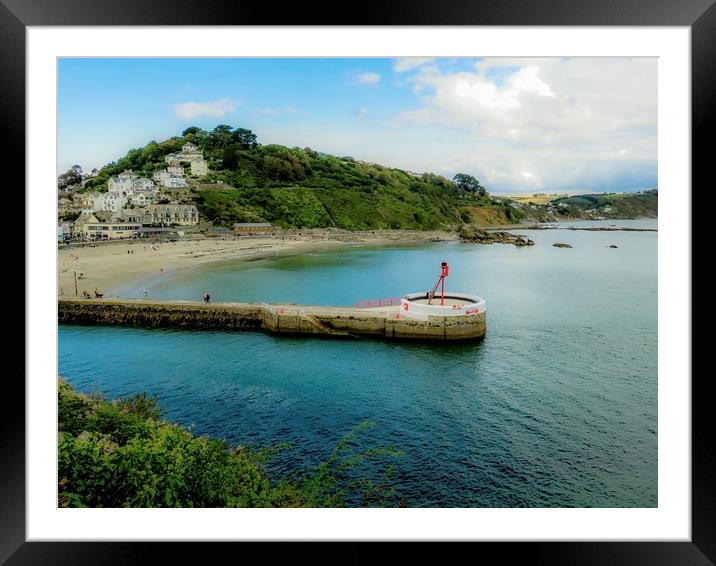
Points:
(123, 454)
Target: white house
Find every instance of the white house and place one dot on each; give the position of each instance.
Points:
(189, 154)
(121, 182)
(119, 185)
(135, 215)
(182, 214)
(126, 183)
(199, 168)
(112, 202)
(84, 202)
(100, 202)
(83, 219)
(93, 202)
(111, 230)
(159, 176)
(142, 198)
(175, 182)
(143, 184)
(176, 170)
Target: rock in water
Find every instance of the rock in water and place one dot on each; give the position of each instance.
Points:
(613, 246)
(559, 245)
(471, 233)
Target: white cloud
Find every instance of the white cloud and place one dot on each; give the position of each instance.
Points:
(527, 80)
(360, 112)
(409, 63)
(565, 122)
(487, 94)
(214, 109)
(365, 78)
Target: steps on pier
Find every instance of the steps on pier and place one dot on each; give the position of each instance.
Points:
(322, 326)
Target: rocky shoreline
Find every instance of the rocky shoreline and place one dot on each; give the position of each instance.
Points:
(584, 228)
(473, 234)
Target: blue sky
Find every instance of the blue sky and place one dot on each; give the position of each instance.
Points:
(517, 124)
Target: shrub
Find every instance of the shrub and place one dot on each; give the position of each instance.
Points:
(123, 454)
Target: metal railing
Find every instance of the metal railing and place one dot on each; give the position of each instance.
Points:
(376, 303)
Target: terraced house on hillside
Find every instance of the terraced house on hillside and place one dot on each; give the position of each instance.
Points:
(179, 214)
(128, 182)
(189, 154)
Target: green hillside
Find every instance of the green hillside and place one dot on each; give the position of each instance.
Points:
(303, 188)
(613, 205)
(300, 187)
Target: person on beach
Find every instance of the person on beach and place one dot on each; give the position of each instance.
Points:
(207, 299)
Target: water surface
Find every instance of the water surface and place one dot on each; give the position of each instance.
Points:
(557, 407)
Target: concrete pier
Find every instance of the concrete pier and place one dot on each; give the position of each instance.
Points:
(386, 322)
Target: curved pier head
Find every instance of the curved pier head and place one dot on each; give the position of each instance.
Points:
(462, 315)
(453, 304)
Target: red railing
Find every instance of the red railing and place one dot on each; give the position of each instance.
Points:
(375, 303)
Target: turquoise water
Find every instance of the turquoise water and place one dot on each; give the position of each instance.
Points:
(556, 408)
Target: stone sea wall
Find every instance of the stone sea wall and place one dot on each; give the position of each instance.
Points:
(160, 314)
(277, 319)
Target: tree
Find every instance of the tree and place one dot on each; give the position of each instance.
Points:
(192, 130)
(230, 160)
(272, 167)
(194, 135)
(221, 135)
(245, 137)
(149, 153)
(469, 183)
(172, 144)
(72, 176)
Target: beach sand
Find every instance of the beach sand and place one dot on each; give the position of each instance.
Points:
(108, 266)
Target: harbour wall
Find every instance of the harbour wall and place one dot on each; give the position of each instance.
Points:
(318, 321)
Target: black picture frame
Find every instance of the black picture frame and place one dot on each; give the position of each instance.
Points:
(699, 15)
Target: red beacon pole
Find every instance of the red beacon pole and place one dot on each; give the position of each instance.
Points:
(441, 281)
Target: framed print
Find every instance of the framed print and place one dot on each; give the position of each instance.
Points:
(231, 184)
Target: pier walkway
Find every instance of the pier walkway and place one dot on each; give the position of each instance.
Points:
(389, 322)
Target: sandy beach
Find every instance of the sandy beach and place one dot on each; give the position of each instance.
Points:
(108, 266)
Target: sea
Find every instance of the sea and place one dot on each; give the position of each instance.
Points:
(556, 407)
